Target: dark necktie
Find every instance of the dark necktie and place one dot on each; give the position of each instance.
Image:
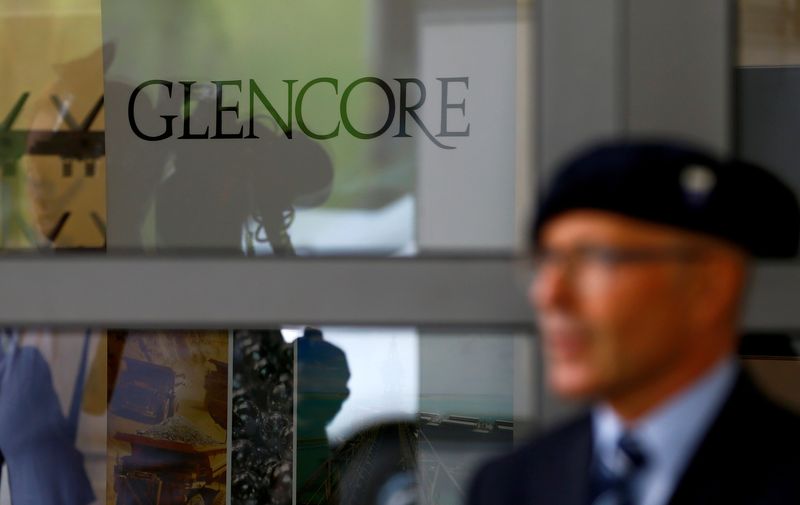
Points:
(613, 486)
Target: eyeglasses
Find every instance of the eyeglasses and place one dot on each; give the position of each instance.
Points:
(594, 265)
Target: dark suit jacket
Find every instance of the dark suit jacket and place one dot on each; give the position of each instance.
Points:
(750, 455)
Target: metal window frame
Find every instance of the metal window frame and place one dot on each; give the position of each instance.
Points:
(599, 69)
(617, 43)
(225, 293)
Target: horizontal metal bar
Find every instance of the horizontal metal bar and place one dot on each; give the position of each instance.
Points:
(249, 292)
(170, 292)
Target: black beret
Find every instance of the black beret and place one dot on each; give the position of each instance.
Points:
(679, 185)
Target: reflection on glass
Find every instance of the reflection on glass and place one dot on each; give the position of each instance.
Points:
(334, 415)
(466, 409)
(229, 131)
(322, 377)
(167, 421)
(288, 134)
(383, 415)
(767, 84)
(52, 411)
(769, 32)
(263, 419)
(774, 361)
(52, 145)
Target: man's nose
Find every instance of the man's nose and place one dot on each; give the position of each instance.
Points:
(551, 287)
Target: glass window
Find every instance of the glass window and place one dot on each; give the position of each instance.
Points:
(357, 127)
(767, 80)
(768, 33)
(52, 149)
(314, 415)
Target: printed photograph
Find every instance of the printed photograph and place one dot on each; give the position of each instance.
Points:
(167, 419)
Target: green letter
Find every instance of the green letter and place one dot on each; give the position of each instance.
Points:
(346, 120)
(286, 126)
(299, 111)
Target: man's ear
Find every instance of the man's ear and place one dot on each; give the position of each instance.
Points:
(721, 280)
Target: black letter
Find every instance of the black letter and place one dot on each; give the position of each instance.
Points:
(187, 113)
(132, 106)
(411, 111)
(446, 105)
(389, 97)
(221, 109)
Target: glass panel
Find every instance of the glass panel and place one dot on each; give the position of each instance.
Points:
(769, 33)
(269, 129)
(774, 360)
(262, 129)
(382, 415)
(279, 416)
(767, 84)
(167, 417)
(329, 415)
(52, 182)
(54, 416)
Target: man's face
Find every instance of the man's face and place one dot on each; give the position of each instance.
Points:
(611, 321)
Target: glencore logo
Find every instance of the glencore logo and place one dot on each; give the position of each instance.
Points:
(453, 91)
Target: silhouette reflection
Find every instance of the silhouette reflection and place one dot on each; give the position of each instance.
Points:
(212, 189)
(322, 376)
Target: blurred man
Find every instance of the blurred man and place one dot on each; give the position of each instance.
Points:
(642, 255)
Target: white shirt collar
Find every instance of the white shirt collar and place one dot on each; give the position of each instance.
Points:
(670, 433)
